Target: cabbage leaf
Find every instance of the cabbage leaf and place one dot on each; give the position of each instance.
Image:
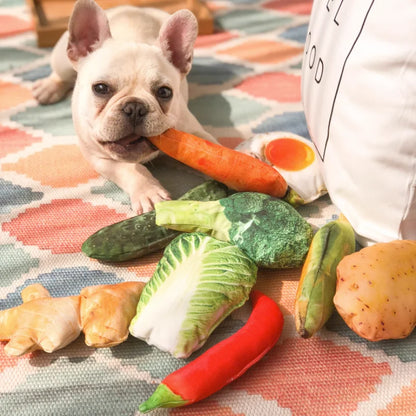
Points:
(198, 282)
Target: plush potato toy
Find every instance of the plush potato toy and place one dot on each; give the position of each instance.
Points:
(376, 290)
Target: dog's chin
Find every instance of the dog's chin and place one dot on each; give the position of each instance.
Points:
(131, 149)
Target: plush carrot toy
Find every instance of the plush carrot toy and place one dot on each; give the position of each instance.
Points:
(225, 361)
(237, 170)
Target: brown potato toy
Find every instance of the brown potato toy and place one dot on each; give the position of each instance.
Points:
(376, 290)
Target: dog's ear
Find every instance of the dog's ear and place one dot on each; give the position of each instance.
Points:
(88, 29)
(177, 37)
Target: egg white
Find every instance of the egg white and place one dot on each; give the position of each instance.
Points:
(308, 182)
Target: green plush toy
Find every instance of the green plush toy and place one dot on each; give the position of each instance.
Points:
(198, 282)
(270, 231)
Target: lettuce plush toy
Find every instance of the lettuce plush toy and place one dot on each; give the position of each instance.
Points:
(198, 282)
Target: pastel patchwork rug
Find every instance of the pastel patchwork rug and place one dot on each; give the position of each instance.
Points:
(245, 80)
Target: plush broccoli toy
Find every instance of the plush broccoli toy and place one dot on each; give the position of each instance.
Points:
(270, 231)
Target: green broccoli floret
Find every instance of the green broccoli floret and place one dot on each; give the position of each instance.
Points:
(270, 231)
(244, 203)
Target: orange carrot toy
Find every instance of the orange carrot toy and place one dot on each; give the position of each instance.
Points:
(237, 170)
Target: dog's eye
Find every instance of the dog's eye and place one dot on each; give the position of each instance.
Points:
(101, 88)
(165, 93)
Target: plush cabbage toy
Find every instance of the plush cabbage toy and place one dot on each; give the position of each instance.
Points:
(198, 282)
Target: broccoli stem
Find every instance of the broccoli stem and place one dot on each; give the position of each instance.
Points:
(190, 216)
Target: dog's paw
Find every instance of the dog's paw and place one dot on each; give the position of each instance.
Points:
(146, 200)
(50, 90)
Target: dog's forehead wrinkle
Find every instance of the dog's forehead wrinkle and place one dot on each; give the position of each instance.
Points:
(131, 55)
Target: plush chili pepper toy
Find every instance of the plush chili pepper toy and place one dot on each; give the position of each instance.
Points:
(225, 361)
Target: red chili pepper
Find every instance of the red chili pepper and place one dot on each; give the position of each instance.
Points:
(225, 361)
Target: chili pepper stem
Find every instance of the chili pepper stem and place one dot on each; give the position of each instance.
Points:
(162, 397)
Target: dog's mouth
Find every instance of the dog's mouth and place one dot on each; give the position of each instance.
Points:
(131, 141)
(130, 146)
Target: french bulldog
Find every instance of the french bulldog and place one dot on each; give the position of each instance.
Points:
(127, 67)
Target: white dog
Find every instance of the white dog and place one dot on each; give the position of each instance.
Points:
(129, 66)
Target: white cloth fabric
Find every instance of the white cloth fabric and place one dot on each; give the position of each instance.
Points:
(359, 96)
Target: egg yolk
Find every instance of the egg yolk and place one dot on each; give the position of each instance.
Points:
(289, 154)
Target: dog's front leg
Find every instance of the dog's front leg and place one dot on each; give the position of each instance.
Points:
(135, 179)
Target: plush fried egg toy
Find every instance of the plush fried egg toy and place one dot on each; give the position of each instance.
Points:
(294, 157)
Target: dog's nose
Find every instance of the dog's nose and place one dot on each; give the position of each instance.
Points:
(135, 111)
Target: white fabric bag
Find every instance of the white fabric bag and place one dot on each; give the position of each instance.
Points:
(359, 96)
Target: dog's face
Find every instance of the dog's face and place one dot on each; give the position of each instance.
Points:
(127, 91)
